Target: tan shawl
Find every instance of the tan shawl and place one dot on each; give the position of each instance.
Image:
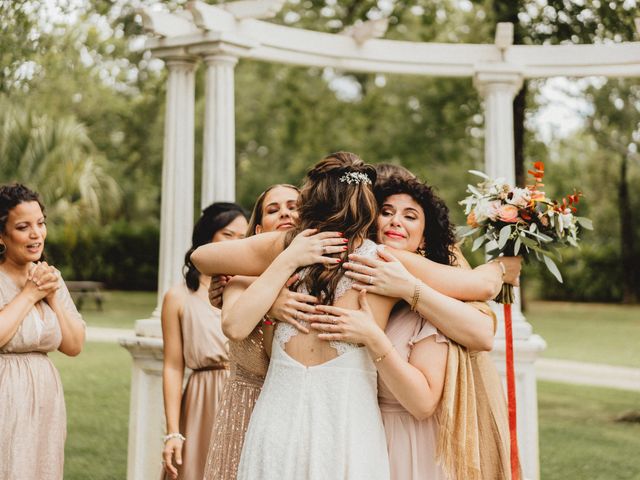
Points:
(473, 439)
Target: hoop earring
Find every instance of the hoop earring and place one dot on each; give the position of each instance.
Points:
(3, 249)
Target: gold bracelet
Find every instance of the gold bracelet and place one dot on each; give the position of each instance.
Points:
(502, 267)
(382, 357)
(416, 295)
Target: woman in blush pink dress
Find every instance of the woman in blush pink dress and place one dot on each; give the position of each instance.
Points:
(419, 368)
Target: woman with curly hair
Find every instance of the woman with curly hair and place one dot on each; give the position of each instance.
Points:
(438, 403)
(37, 316)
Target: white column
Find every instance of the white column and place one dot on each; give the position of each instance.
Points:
(498, 84)
(146, 412)
(176, 217)
(219, 149)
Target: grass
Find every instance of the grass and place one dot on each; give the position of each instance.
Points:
(586, 332)
(96, 386)
(580, 436)
(120, 309)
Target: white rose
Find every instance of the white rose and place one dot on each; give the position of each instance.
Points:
(520, 197)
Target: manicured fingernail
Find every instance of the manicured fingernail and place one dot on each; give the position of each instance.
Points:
(340, 234)
(345, 240)
(338, 260)
(345, 248)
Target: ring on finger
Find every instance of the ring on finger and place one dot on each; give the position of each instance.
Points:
(324, 250)
(370, 279)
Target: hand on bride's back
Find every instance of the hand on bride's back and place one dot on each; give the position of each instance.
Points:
(309, 247)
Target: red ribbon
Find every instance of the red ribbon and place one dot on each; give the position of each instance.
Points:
(511, 393)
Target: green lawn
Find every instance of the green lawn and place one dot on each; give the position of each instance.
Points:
(96, 387)
(120, 309)
(588, 332)
(579, 435)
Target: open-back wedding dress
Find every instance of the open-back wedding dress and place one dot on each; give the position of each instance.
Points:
(317, 422)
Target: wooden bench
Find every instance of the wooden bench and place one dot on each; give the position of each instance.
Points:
(85, 289)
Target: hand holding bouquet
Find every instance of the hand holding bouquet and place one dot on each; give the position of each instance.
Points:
(510, 220)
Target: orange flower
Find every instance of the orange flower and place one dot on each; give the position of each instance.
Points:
(508, 213)
(472, 220)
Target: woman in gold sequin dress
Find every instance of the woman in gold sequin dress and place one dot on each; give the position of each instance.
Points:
(275, 210)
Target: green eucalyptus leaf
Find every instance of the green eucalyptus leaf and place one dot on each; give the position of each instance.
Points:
(552, 267)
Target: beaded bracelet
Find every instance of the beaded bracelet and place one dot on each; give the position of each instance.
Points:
(169, 436)
(416, 295)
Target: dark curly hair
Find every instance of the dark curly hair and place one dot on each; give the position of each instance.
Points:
(215, 217)
(439, 236)
(12, 195)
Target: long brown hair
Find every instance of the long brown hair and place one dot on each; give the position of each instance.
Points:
(328, 203)
(257, 213)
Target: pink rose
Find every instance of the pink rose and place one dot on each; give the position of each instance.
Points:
(508, 213)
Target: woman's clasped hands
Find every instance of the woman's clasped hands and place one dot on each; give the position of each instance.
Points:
(43, 281)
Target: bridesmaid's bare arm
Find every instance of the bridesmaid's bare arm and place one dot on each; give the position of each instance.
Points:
(249, 256)
(71, 324)
(481, 283)
(172, 374)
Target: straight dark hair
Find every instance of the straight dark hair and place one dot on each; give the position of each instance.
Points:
(214, 218)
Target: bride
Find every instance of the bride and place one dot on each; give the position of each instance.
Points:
(317, 416)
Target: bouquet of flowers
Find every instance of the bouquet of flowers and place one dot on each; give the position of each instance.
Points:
(521, 221)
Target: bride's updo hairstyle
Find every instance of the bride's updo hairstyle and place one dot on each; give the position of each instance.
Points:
(337, 195)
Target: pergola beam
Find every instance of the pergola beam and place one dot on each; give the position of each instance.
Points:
(360, 53)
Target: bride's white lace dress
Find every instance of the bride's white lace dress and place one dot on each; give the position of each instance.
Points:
(320, 422)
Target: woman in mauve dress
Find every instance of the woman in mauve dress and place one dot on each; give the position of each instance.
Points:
(275, 210)
(37, 316)
(193, 338)
(422, 372)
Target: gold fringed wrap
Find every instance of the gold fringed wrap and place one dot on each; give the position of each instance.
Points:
(473, 438)
(458, 450)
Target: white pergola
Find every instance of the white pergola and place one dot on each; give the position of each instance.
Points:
(219, 36)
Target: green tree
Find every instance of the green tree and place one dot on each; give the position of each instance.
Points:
(58, 159)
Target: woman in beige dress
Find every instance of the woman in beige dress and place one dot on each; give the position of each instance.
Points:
(37, 316)
(421, 371)
(275, 210)
(193, 338)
